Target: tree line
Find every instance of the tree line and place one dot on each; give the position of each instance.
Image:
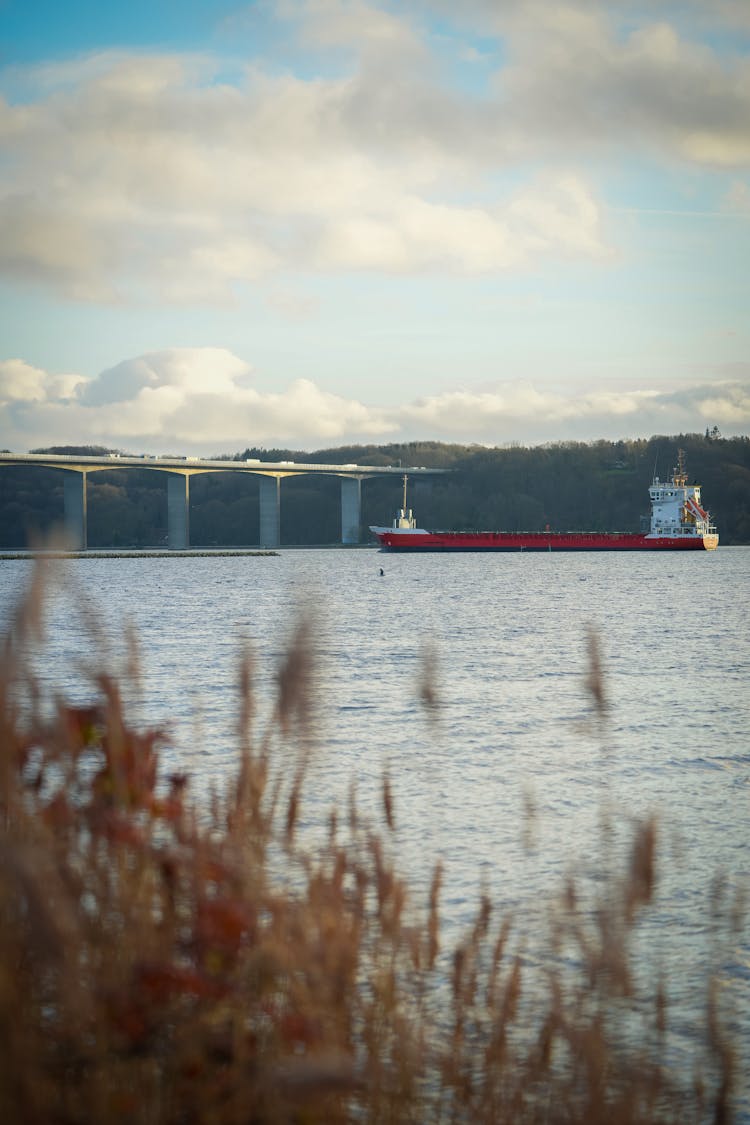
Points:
(570, 486)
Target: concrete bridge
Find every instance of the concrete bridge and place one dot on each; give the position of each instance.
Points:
(181, 469)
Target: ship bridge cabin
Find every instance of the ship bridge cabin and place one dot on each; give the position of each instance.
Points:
(676, 506)
(667, 507)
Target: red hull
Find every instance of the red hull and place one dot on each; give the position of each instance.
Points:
(540, 541)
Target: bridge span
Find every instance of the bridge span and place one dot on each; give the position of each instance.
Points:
(180, 469)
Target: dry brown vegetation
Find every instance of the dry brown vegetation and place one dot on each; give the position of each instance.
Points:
(157, 965)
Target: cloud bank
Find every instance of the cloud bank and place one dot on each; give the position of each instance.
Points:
(127, 176)
(202, 401)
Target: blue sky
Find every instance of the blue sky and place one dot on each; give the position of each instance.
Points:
(313, 222)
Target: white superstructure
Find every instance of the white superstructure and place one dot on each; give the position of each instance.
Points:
(676, 507)
(404, 521)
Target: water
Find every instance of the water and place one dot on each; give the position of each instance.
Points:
(505, 781)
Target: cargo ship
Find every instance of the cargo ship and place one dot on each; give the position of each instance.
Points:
(678, 523)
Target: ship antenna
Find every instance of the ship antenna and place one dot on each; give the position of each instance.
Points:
(656, 462)
(680, 473)
(404, 503)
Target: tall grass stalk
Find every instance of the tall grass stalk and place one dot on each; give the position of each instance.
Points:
(153, 968)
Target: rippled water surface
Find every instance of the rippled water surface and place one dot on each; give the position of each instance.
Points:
(507, 779)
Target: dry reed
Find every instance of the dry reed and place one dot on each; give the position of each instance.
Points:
(152, 969)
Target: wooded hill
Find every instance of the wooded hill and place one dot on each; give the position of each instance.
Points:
(572, 486)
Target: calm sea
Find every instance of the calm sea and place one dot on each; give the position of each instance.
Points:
(505, 779)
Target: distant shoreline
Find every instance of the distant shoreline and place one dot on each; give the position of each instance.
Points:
(156, 553)
(145, 554)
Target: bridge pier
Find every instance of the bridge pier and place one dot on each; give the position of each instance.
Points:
(351, 509)
(74, 500)
(270, 510)
(76, 468)
(178, 511)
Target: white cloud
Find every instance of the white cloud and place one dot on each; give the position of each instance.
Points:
(200, 400)
(196, 398)
(552, 216)
(22, 383)
(520, 407)
(728, 405)
(140, 177)
(186, 371)
(127, 175)
(352, 24)
(523, 412)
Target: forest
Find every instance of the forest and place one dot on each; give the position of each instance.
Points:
(570, 486)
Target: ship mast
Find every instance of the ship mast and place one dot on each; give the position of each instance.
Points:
(404, 518)
(679, 475)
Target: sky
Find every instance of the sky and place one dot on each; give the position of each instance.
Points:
(311, 223)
